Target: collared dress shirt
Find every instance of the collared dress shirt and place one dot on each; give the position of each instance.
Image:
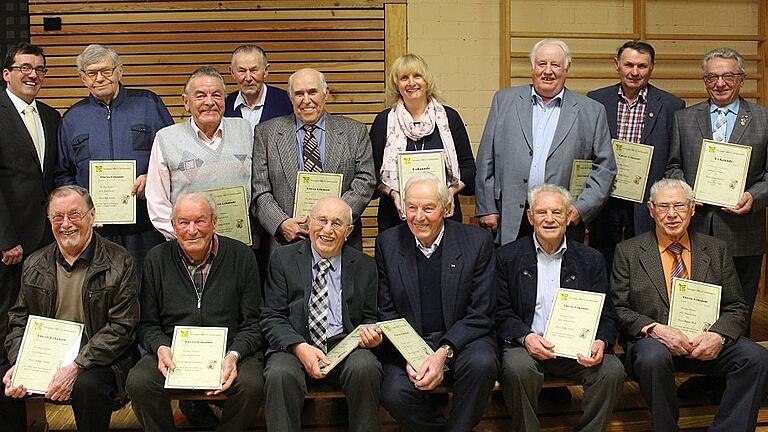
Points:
(544, 123)
(631, 116)
(547, 283)
(253, 115)
(733, 111)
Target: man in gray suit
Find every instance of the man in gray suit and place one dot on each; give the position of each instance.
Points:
(532, 136)
(310, 139)
(742, 227)
(641, 284)
(318, 291)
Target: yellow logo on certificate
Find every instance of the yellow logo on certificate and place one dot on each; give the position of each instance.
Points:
(98, 168)
(618, 146)
(681, 287)
(711, 149)
(38, 326)
(185, 333)
(305, 179)
(407, 160)
(564, 296)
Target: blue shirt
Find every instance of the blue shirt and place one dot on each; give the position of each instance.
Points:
(319, 134)
(733, 111)
(547, 283)
(544, 124)
(333, 281)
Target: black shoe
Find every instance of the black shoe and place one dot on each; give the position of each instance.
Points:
(198, 413)
(559, 395)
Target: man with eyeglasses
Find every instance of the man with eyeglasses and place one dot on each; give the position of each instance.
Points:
(318, 291)
(85, 278)
(112, 123)
(641, 284)
(199, 279)
(27, 157)
(255, 101)
(727, 117)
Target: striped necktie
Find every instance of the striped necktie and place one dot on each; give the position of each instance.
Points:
(721, 125)
(312, 162)
(318, 306)
(678, 268)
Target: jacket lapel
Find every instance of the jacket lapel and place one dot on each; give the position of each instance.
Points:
(652, 110)
(699, 259)
(742, 121)
(286, 148)
(529, 287)
(348, 266)
(408, 273)
(334, 145)
(8, 111)
(451, 269)
(650, 260)
(525, 117)
(703, 120)
(568, 112)
(303, 268)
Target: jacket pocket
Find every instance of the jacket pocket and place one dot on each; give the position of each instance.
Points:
(140, 137)
(81, 148)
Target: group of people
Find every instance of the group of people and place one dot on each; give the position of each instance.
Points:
(480, 297)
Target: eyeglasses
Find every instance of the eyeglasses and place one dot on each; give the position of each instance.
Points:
(728, 78)
(27, 69)
(106, 73)
(336, 224)
(75, 216)
(666, 208)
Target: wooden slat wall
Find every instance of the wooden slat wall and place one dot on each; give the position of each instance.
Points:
(162, 41)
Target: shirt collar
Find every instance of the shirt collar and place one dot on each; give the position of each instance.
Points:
(200, 134)
(211, 255)
(85, 256)
(555, 101)
(240, 100)
(19, 103)
(335, 260)
(641, 97)
(558, 253)
(732, 107)
(664, 241)
(428, 251)
(320, 123)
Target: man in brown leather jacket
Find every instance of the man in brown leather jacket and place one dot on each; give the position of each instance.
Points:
(81, 278)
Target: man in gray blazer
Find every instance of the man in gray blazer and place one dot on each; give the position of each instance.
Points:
(742, 227)
(532, 135)
(641, 285)
(318, 291)
(310, 139)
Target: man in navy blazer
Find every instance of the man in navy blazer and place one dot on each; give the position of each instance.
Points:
(637, 112)
(529, 272)
(254, 101)
(438, 275)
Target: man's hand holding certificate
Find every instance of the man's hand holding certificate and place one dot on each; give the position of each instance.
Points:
(573, 322)
(197, 356)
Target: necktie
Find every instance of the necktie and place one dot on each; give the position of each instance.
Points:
(318, 306)
(31, 122)
(721, 125)
(312, 162)
(678, 268)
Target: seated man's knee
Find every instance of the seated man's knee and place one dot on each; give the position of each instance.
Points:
(515, 371)
(651, 354)
(365, 367)
(612, 370)
(284, 372)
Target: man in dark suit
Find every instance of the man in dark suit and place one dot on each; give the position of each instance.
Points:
(308, 140)
(254, 101)
(641, 284)
(318, 291)
(26, 176)
(438, 275)
(529, 272)
(742, 227)
(641, 113)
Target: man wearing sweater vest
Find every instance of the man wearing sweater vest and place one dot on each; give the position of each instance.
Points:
(206, 280)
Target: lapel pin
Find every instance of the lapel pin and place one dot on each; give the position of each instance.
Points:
(453, 265)
(650, 114)
(743, 120)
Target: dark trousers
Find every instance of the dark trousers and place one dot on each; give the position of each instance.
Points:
(93, 397)
(472, 374)
(744, 364)
(10, 283)
(522, 378)
(614, 223)
(12, 411)
(151, 402)
(359, 376)
(748, 269)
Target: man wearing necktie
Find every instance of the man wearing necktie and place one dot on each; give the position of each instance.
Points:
(313, 140)
(727, 117)
(317, 292)
(641, 284)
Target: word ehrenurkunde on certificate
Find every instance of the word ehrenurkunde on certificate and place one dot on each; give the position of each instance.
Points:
(232, 208)
(198, 353)
(573, 322)
(311, 186)
(413, 348)
(694, 306)
(579, 173)
(47, 345)
(110, 183)
(722, 173)
(633, 162)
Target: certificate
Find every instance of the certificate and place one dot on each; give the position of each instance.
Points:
(342, 349)
(232, 207)
(111, 187)
(722, 173)
(198, 353)
(573, 322)
(694, 306)
(47, 345)
(412, 347)
(311, 186)
(579, 172)
(416, 162)
(633, 162)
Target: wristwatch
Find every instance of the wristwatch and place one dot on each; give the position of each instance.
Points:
(448, 351)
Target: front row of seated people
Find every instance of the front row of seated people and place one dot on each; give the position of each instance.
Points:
(445, 278)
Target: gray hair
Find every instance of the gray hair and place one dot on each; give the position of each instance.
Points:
(96, 53)
(427, 177)
(196, 196)
(557, 42)
(670, 183)
(205, 71)
(726, 53)
(323, 82)
(67, 190)
(551, 188)
(250, 49)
